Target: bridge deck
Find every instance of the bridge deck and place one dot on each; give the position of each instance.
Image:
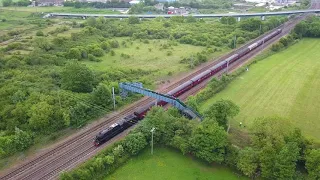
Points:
(194, 15)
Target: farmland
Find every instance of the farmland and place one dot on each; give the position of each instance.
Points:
(170, 164)
(285, 84)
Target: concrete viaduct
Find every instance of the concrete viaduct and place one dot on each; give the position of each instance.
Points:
(148, 16)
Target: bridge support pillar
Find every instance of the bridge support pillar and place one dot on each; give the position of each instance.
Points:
(239, 19)
(263, 18)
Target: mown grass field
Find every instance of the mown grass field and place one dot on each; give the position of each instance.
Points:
(170, 164)
(286, 84)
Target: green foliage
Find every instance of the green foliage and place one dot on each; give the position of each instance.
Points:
(309, 27)
(208, 141)
(40, 114)
(228, 20)
(43, 44)
(102, 95)
(39, 33)
(135, 142)
(221, 111)
(74, 53)
(77, 77)
(241, 40)
(91, 21)
(248, 161)
(133, 20)
(313, 163)
(10, 144)
(6, 3)
(250, 24)
(275, 149)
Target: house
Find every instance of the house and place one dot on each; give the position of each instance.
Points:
(159, 6)
(173, 10)
(134, 2)
(50, 2)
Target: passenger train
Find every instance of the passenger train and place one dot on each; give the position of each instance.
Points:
(138, 115)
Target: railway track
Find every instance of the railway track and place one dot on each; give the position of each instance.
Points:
(79, 147)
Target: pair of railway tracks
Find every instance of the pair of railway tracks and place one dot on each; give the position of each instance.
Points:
(80, 147)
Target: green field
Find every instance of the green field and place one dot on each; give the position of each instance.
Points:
(150, 57)
(170, 164)
(286, 84)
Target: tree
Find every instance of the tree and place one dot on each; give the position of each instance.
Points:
(221, 111)
(241, 40)
(92, 21)
(74, 53)
(228, 20)
(301, 28)
(22, 139)
(208, 141)
(135, 142)
(40, 115)
(192, 102)
(133, 20)
(6, 3)
(191, 19)
(77, 78)
(43, 43)
(39, 33)
(313, 163)
(250, 24)
(248, 161)
(102, 95)
(286, 159)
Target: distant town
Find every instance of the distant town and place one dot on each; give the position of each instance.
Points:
(269, 5)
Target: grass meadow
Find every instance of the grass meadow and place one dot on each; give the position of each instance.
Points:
(170, 164)
(150, 57)
(285, 84)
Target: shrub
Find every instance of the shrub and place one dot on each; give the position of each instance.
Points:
(126, 56)
(39, 33)
(112, 53)
(114, 44)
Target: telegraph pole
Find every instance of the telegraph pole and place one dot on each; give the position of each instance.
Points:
(114, 99)
(260, 29)
(152, 131)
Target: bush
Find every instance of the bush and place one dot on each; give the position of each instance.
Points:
(98, 52)
(39, 33)
(112, 53)
(126, 56)
(114, 44)
(241, 40)
(74, 53)
(277, 47)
